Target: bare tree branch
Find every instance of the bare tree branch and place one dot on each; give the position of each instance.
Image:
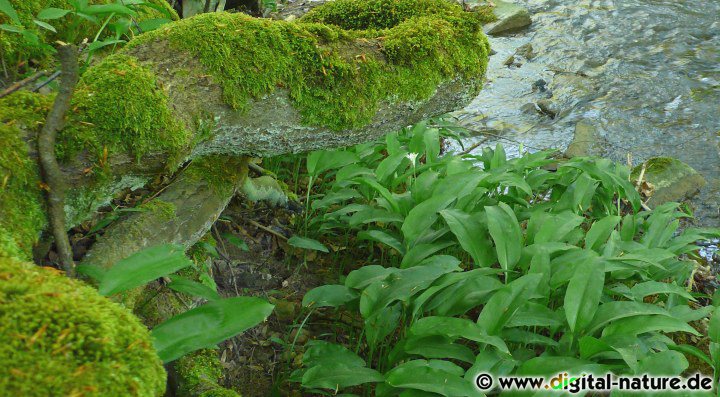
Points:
(54, 178)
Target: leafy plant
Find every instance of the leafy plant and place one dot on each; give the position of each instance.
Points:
(194, 329)
(495, 263)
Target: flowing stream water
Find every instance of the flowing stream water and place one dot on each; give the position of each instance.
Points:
(643, 74)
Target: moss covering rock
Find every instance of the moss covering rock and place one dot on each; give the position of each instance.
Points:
(339, 61)
(198, 375)
(671, 179)
(60, 337)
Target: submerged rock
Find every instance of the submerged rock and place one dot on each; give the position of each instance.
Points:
(586, 141)
(672, 180)
(510, 17)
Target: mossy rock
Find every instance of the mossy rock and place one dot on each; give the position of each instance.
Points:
(338, 62)
(198, 374)
(672, 180)
(60, 337)
(16, 50)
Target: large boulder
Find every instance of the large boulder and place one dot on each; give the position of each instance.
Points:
(59, 337)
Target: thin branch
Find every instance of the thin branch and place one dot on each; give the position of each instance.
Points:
(267, 229)
(54, 178)
(22, 83)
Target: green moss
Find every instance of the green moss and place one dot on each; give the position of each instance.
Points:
(60, 337)
(339, 61)
(16, 50)
(162, 209)
(22, 215)
(199, 373)
(222, 172)
(118, 106)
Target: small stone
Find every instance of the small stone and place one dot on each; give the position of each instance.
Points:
(526, 51)
(546, 108)
(509, 61)
(586, 141)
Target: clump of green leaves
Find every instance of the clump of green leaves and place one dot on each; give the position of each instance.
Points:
(27, 29)
(195, 329)
(527, 266)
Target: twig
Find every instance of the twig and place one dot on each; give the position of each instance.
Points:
(49, 80)
(474, 146)
(267, 229)
(22, 83)
(52, 174)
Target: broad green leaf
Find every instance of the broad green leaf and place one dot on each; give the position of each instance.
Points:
(208, 325)
(11, 28)
(400, 286)
(423, 375)
(505, 302)
(187, 286)
(466, 294)
(600, 232)
(535, 315)
(338, 376)
(454, 328)
(692, 350)
(472, 234)
(7, 9)
(382, 323)
(505, 231)
(517, 335)
(111, 8)
(366, 275)
(384, 192)
(323, 160)
(419, 252)
(714, 326)
(382, 237)
(149, 25)
(52, 13)
(96, 45)
(616, 310)
(437, 346)
(641, 324)
(307, 243)
(641, 290)
(374, 215)
(552, 365)
(321, 352)
(143, 267)
(45, 25)
(388, 166)
(329, 296)
(236, 241)
(583, 295)
(668, 362)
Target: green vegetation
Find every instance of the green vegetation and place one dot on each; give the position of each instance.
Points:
(318, 62)
(60, 337)
(119, 107)
(26, 33)
(22, 215)
(200, 372)
(510, 268)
